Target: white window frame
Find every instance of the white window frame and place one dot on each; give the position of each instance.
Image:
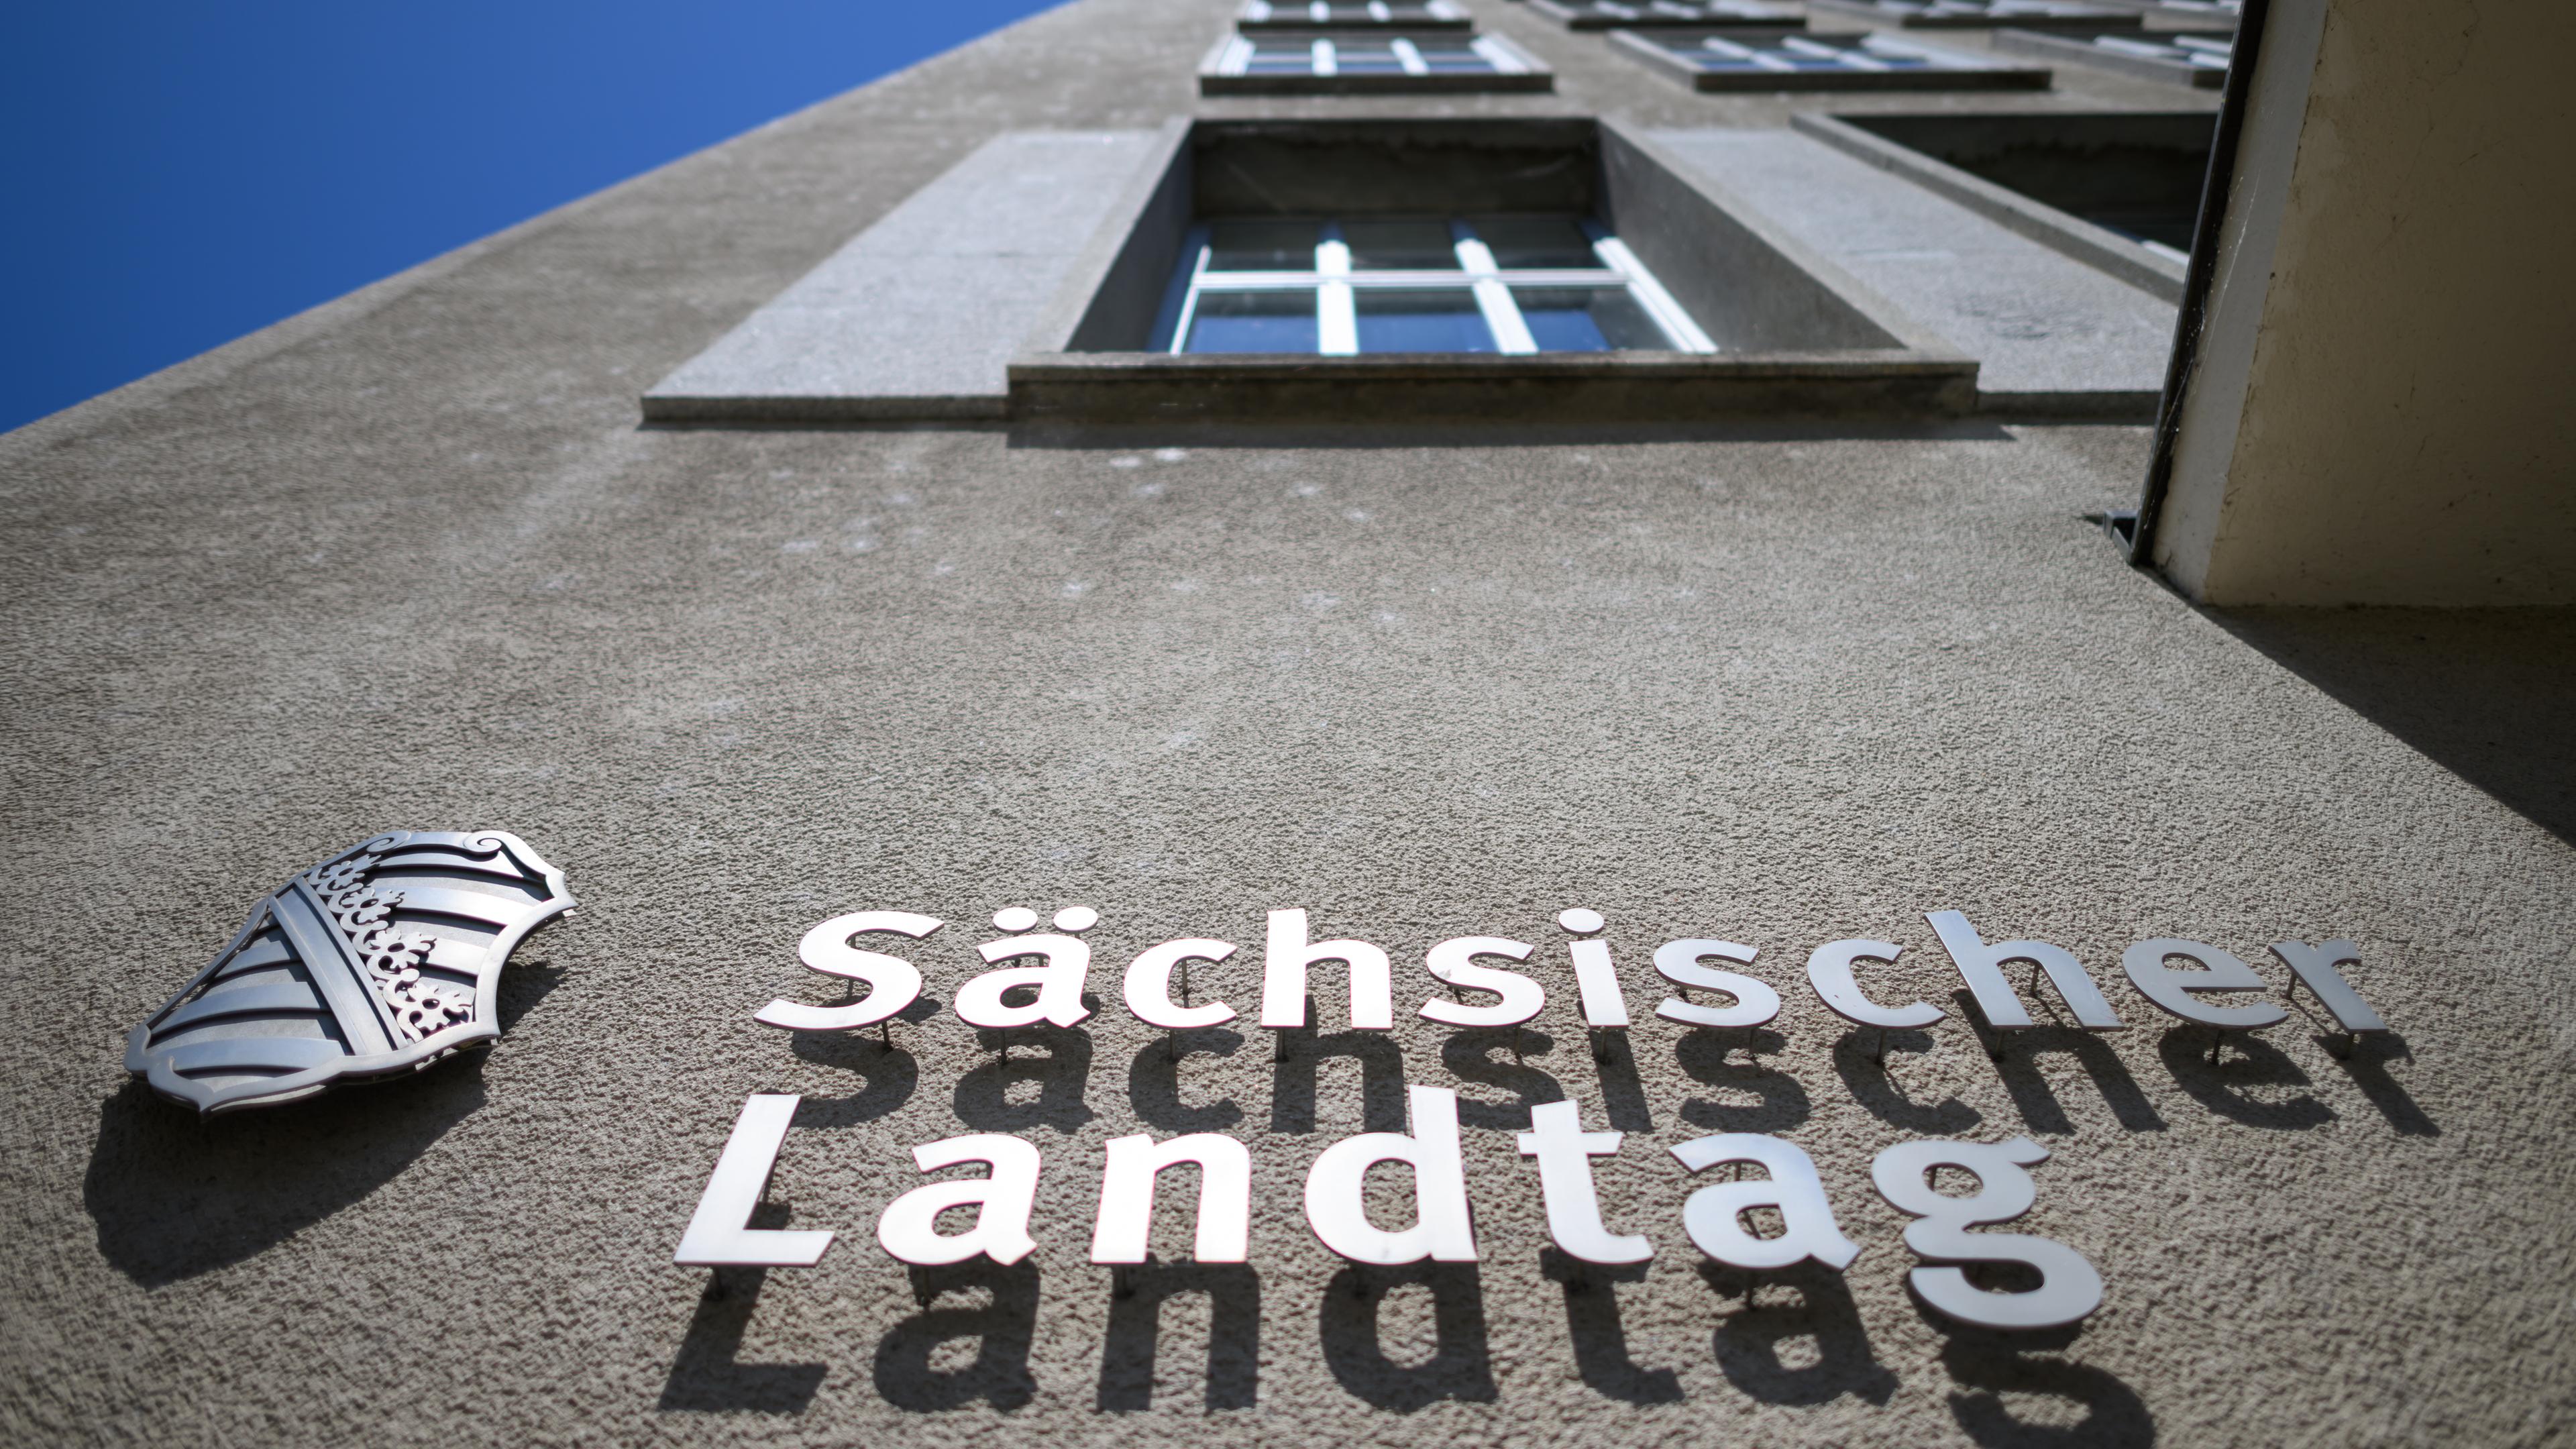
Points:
(1323, 52)
(1337, 286)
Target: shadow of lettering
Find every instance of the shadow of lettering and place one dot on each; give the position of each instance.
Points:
(1154, 1082)
(1871, 1078)
(1470, 1056)
(1459, 1367)
(1297, 1057)
(1623, 1092)
(1994, 1365)
(2366, 1062)
(173, 1195)
(1708, 1053)
(889, 1074)
(1812, 1351)
(708, 1375)
(2225, 1086)
(1600, 1338)
(1055, 1059)
(1233, 1293)
(1003, 1326)
(2016, 1057)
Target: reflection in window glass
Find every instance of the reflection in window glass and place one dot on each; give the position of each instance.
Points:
(1262, 246)
(1401, 246)
(1587, 319)
(1426, 321)
(1536, 242)
(1282, 321)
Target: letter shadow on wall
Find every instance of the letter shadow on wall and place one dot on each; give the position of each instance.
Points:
(1460, 1367)
(1990, 1365)
(2225, 1086)
(1135, 1332)
(1600, 1338)
(1707, 1054)
(1869, 1074)
(1623, 1092)
(2014, 1055)
(1497, 1057)
(707, 1375)
(1749, 1340)
(1060, 1069)
(2366, 1062)
(888, 1073)
(1003, 1325)
(1154, 1082)
(1297, 1059)
(174, 1195)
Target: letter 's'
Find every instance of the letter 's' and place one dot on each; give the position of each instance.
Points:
(1283, 976)
(909, 1229)
(1565, 1152)
(1336, 1207)
(1454, 963)
(1126, 1220)
(2069, 1287)
(893, 983)
(1678, 962)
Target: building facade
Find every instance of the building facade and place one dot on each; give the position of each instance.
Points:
(1626, 483)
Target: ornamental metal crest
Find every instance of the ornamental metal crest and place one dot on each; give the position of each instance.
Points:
(383, 959)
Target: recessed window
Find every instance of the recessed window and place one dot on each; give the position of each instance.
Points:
(1978, 14)
(2192, 58)
(1359, 286)
(1281, 61)
(1747, 60)
(1628, 14)
(1352, 14)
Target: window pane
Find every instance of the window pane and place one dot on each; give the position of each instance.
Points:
(1442, 321)
(1261, 246)
(1280, 57)
(1588, 319)
(1451, 57)
(1520, 242)
(1400, 246)
(1253, 322)
(1366, 57)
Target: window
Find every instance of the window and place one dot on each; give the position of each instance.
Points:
(1751, 60)
(1500, 284)
(1615, 14)
(1979, 13)
(1351, 15)
(2199, 52)
(1271, 61)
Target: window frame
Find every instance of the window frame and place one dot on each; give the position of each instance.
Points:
(1336, 286)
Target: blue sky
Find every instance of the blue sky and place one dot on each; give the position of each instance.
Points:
(178, 175)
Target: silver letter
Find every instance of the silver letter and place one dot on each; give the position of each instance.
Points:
(1454, 963)
(1059, 983)
(909, 1229)
(719, 1234)
(1603, 1003)
(2069, 1288)
(1981, 966)
(2316, 965)
(1126, 1218)
(1829, 970)
(1755, 1003)
(1713, 1216)
(1337, 1209)
(1565, 1152)
(893, 983)
(1149, 986)
(2172, 990)
(1283, 976)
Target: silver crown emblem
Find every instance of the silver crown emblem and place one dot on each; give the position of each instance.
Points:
(382, 959)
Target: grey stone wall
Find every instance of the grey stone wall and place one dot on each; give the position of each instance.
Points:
(410, 560)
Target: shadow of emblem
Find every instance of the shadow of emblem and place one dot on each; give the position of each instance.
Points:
(382, 959)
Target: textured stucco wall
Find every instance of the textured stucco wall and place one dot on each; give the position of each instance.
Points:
(410, 561)
(2387, 418)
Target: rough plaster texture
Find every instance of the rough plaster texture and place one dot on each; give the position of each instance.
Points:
(2046, 330)
(2386, 418)
(409, 559)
